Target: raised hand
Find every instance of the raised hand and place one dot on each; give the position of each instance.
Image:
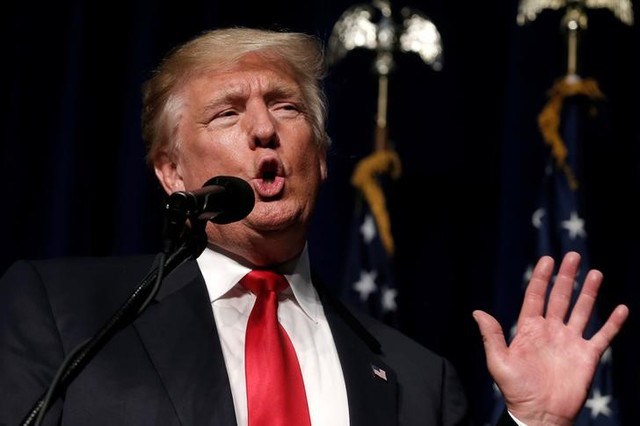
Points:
(546, 371)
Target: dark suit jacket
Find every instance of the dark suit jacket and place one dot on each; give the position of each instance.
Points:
(167, 367)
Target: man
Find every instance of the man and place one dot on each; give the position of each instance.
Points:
(247, 103)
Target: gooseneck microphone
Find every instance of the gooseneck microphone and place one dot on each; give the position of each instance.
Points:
(222, 199)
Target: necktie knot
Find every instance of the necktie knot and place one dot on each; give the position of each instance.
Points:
(262, 280)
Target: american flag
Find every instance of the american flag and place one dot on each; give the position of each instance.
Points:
(558, 226)
(379, 372)
(369, 278)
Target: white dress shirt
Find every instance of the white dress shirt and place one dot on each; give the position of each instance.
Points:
(302, 316)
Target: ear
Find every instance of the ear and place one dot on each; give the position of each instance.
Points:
(167, 173)
(323, 165)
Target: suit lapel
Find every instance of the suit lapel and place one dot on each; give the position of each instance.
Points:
(372, 387)
(180, 336)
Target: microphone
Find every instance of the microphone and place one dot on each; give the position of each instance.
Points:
(222, 199)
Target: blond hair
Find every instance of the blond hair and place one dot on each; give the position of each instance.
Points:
(217, 48)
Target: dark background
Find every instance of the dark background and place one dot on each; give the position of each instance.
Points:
(74, 181)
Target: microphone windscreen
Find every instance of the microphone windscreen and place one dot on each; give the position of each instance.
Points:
(238, 199)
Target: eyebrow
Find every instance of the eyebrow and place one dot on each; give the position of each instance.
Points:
(237, 94)
(287, 91)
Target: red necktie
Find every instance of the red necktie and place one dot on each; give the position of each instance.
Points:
(275, 390)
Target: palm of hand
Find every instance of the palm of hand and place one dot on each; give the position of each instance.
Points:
(548, 364)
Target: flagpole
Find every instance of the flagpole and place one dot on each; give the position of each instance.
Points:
(382, 133)
(369, 275)
(573, 22)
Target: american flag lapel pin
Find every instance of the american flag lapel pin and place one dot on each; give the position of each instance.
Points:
(379, 372)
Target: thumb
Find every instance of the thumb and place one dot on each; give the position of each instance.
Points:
(495, 345)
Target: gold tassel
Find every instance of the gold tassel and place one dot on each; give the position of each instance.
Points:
(549, 118)
(364, 178)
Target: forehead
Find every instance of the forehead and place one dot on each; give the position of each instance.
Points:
(253, 63)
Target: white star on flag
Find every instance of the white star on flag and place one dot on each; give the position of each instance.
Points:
(389, 299)
(598, 404)
(575, 226)
(536, 217)
(366, 284)
(368, 229)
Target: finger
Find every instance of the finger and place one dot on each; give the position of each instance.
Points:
(560, 296)
(586, 301)
(536, 292)
(495, 346)
(602, 339)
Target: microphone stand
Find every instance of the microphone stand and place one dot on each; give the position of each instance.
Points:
(192, 242)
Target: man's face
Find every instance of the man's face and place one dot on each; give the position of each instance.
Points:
(249, 121)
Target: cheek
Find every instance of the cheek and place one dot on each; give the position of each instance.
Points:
(311, 168)
(202, 161)
(306, 152)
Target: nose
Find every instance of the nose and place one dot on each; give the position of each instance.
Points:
(262, 126)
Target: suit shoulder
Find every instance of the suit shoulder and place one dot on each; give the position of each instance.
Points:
(98, 275)
(81, 266)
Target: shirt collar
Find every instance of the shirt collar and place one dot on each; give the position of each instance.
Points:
(221, 274)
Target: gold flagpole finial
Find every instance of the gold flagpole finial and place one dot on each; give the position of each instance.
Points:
(574, 20)
(372, 26)
(528, 10)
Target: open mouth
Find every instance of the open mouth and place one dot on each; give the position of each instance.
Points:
(270, 182)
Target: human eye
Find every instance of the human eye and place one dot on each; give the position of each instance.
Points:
(225, 116)
(287, 109)
(227, 113)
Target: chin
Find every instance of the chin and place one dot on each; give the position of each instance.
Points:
(275, 218)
